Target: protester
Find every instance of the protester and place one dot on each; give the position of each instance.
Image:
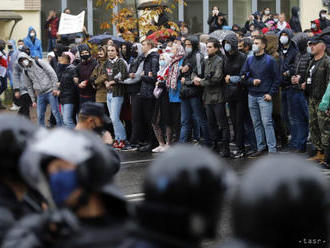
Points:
(262, 79)
(266, 15)
(192, 110)
(235, 92)
(325, 106)
(68, 94)
(217, 20)
(282, 23)
(116, 71)
(84, 71)
(295, 21)
(213, 96)
(41, 82)
(322, 22)
(316, 83)
(3, 69)
(315, 28)
(32, 42)
(51, 26)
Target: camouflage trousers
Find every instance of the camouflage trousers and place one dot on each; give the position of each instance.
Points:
(319, 125)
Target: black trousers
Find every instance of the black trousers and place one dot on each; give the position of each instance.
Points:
(142, 113)
(24, 102)
(217, 119)
(238, 111)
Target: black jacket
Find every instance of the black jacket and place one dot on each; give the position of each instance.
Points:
(188, 89)
(68, 88)
(294, 21)
(214, 25)
(233, 64)
(324, 23)
(151, 65)
(287, 59)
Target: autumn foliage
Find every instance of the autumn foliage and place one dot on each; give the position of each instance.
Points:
(133, 26)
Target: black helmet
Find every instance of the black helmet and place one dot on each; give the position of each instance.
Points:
(281, 202)
(184, 191)
(15, 132)
(96, 164)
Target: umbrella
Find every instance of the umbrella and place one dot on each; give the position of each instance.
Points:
(161, 34)
(98, 39)
(221, 34)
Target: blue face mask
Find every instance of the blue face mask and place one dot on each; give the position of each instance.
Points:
(227, 47)
(62, 184)
(162, 63)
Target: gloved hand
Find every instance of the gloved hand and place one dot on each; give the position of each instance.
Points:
(41, 230)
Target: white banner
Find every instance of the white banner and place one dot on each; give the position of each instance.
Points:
(70, 24)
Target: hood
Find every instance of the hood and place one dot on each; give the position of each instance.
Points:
(272, 44)
(13, 43)
(104, 48)
(301, 39)
(257, 13)
(31, 29)
(84, 47)
(23, 55)
(321, 11)
(295, 11)
(194, 42)
(232, 40)
(289, 33)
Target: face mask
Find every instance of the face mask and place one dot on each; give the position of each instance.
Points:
(227, 47)
(162, 63)
(324, 16)
(85, 57)
(188, 50)
(267, 12)
(78, 40)
(62, 184)
(25, 63)
(284, 40)
(255, 48)
(313, 26)
(10, 47)
(275, 20)
(309, 50)
(20, 47)
(32, 34)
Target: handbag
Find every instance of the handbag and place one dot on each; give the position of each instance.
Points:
(157, 92)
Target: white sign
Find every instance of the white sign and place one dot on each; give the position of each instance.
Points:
(70, 24)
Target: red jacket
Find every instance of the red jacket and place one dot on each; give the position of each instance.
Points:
(52, 26)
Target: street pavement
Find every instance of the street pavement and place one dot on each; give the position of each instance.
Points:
(131, 176)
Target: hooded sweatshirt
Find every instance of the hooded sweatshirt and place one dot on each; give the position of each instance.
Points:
(34, 44)
(288, 56)
(38, 80)
(322, 23)
(294, 21)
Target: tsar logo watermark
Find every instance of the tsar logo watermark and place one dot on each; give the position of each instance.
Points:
(312, 241)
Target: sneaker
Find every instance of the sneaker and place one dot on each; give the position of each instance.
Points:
(115, 144)
(121, 144)
(238, 154)
(257, 154)
(14, 108)
(318, 157)
(130, 148)
(164, 148)
(157, 149)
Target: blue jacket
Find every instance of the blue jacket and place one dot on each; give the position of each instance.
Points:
(288, 58)
(35, 47)
(264, 68)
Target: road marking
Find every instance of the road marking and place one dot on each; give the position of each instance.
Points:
(137, 161)
(135, 197)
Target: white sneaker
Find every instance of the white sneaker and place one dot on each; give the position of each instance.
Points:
(164, 148)
(157, 149)
(14, 108)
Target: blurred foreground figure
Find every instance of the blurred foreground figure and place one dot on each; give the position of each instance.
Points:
(17, 199)
(77, 170)
(184, 192)
(281, 202)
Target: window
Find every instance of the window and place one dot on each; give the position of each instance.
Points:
(193, 16)
(222, 5)
(77, 6)
(46, 6)
(286, 6)
(101, 15)
(242, 10)
(262, 4)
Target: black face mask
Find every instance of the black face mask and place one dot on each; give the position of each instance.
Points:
(10, 47)
(85, 57)
(99, 130)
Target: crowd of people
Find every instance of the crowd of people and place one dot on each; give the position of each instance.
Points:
(266, 80)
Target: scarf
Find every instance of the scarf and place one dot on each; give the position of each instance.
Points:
(173, 72)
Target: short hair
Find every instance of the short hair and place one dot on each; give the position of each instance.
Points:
(262, 38)
(20, 41)
(247, 42)
(149, 42)
(66, 10)
(116, 47)
(215, 42)
(82, 118)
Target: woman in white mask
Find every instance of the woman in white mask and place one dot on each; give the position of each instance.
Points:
(266, 15)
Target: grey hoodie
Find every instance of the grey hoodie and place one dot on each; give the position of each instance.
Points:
(38, 80)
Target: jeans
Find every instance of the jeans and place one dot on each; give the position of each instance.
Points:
(51, 44)
(261, 114)
(191, 108)
(42, 101)
(299, 119)
(285, 109)
(67, 113)
(217, 119)
(114, 106)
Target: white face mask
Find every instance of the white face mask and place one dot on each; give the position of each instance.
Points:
(32, 34)
(227, 47)
(255, 48)
(25, 63)
(284, 40)
(309, 50)
(188, 50)
(267, 12)
(20, 47)
(313, 26)
(324, 16)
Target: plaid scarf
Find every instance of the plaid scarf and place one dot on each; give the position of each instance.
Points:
(173, 74)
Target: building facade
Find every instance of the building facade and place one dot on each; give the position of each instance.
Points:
(195, 13)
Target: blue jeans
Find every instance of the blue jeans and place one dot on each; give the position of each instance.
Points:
(114, 105)
(299, 118)
(261, 114)
(42, 101)
(191, 108)
(67, 113)
(51, 44)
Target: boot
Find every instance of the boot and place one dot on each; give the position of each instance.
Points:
(318, 157)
